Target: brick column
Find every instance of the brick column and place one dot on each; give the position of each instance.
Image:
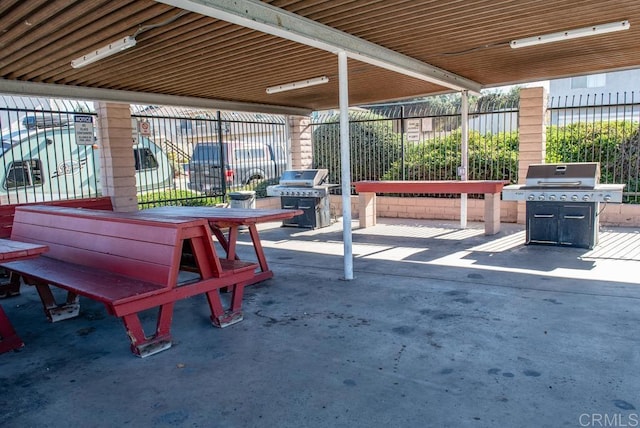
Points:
(532, 134)
(301, 149)
(117, 167)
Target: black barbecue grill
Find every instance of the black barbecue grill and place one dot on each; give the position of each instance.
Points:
(306, 190)
(563, 203)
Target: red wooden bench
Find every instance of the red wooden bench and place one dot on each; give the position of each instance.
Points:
(490, 188)
(12, 288)
(128, 262)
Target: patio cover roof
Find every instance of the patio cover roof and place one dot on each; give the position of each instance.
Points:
(397, 48)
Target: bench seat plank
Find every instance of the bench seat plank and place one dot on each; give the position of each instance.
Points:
(431, 186)
(99, 285)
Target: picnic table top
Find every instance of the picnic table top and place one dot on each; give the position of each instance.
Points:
(13, 250)
(238, 216)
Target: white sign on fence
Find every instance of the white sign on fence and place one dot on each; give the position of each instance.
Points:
(144, 128)
(83, 124)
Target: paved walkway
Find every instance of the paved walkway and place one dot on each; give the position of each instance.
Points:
(440, 328)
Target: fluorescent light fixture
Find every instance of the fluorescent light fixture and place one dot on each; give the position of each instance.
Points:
(105, 51)
(571, 34)
(297, 85)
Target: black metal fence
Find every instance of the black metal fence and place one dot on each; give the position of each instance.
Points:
(598, 128)
(43, 158)
(40, 158)
(418, 141)
(179, 158)
(213, 153)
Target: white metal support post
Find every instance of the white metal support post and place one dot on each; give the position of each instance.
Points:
(464, 174)
(345, 164)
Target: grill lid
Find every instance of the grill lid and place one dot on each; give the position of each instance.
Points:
(573, 175)
(304, 177)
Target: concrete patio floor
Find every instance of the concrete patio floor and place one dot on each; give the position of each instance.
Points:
(441, 327)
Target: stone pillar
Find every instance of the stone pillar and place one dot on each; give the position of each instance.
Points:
(367, 209)
(117, 165)
(301, 149)
(532, 135)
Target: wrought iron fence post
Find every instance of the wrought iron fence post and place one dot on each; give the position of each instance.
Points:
(223, 161)
(402, 143)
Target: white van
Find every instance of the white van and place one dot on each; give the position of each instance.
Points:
(244, 164)
(44, 164)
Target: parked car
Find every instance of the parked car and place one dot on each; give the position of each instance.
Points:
(216, 168)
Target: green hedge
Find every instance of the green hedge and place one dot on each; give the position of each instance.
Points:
(491, 157)
(374, 146)
(176, 197)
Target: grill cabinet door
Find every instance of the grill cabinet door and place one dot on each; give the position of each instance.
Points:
(542, 222)
(577, 226)
(307, 218)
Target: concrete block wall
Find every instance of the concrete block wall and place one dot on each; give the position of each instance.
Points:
(532, 136)
(624, 215)
(301, 148)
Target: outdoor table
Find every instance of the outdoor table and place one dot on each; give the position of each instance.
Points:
(233, 219)
(11, 251)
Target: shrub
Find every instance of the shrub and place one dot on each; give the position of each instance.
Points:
(373, 147)
(176, 197)
(610, 143)
(490, 157)
(261, 188)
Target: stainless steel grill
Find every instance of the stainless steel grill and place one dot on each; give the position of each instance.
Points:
(563, 202)
(306, 190)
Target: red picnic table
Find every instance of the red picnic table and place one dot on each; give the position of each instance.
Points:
(233, 219)
(11, 251)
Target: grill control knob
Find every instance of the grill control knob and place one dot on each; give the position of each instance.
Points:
(531, 197)
(541, 198)
(606, 198)
(552, 197)
(585, 198)
(563, 197)
(574, 197)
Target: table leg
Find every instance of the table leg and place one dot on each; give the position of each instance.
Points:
(229, 245)
(232, 241)
(11, 288)
(265, 272)
(221, 239)
(9, 339)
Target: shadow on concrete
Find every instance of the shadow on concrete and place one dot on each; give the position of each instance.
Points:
(440, 327)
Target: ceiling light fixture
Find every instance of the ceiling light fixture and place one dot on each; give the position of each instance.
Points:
(105, 51)
(571, 34)
(297, 85)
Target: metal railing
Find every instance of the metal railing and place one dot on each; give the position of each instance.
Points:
(420, 142)
(41, 158)
(598, 128)
(253, 154)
